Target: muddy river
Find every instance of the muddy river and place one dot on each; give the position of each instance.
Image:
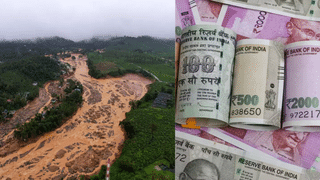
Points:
(87, 140)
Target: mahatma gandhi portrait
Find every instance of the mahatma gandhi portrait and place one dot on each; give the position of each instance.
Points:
(288, 143)
(301, 30)
(200, 169)
(281, 143)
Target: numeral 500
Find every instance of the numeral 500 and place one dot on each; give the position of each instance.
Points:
(192, 64)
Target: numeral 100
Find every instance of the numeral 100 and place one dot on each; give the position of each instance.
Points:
(192, 64)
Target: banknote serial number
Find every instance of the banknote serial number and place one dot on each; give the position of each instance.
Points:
(301, 102)
(181, 157)
(246, 111)
(305, 114)
(244, 99)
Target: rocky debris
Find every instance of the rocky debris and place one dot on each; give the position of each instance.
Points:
(59, 131)
(98, 134)
(111, 144)
(49, 163)
(60, 154)
(88, 161)
(53, 168)
(92, 115)
(104, 127)
(49, 150)
(114, 98)
(9, 148)
(14, 159)
(69, 164)
(95, 97)
(78, 121)
(122, 105)
(123, 88)
(111, 133)
(27, 152)
(29, 167)
(74, 177)
(41, 144)
(70, 126)
(70, 147)
(89, 135)
(49, 140)
(123, 93)
(30, 162)
(59, 177)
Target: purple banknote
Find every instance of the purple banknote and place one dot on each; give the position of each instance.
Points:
(209, 11)
(203, 134)
(260, 24)
(302, 111)
(249, 23)
(184, 13)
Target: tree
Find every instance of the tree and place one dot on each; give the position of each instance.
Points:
(73, 57)
(61, 80)
(153, 128)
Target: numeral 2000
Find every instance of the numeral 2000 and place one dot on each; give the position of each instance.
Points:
(302, 102)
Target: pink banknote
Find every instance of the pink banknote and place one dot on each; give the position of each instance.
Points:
(208, 10)
(263, 25)
(184, 13)
(249, 23)
(298, 148)
(203, 134)
(302, 72)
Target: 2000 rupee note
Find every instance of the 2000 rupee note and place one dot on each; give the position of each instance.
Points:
(303, 9)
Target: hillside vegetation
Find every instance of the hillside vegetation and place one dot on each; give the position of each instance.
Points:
(17, 80)
(118, 62)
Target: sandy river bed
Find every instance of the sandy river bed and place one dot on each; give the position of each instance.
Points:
(87, 140)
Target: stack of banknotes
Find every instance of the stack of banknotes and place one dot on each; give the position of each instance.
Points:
(247, 97)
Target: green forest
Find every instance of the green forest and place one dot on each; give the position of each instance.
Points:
(118, 62)
(19, 49)
(17, 80)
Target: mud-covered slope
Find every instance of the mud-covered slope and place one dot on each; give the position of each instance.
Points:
(86, 141)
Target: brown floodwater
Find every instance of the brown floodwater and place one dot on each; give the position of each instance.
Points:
(87, 140)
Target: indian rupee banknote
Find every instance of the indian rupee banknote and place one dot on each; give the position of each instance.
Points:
(198, 158)
(257, 89)
(302, 112)
(297, 148)
(302, 9)
(205, 70)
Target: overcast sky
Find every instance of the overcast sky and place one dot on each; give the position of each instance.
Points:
(83, 19)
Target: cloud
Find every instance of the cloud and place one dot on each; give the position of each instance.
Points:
(77, 20)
